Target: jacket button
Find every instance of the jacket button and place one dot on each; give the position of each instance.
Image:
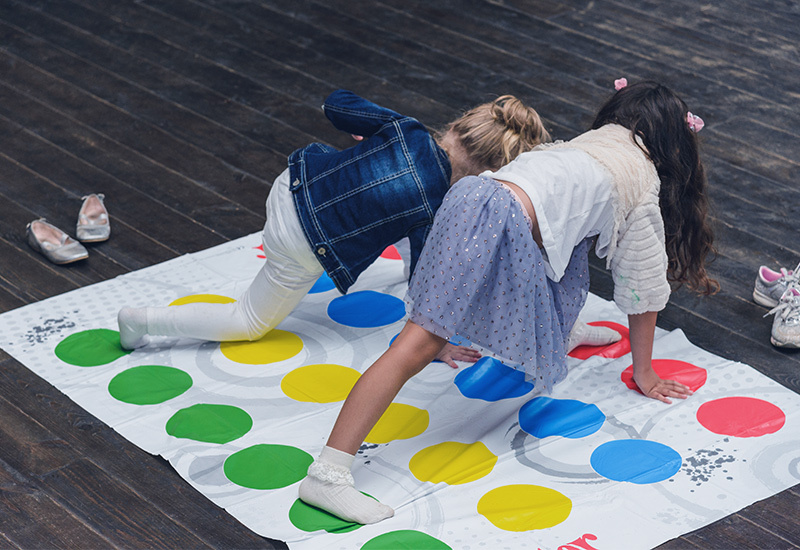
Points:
(296, 183)
(321, 251)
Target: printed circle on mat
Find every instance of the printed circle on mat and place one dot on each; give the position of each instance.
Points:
(491, 380)
(544, 416)
(267, 466)
(210, 423)
(400, 421)
(202, 298)
(276, 345)
(452, 462)
(90, 348)
(524, 507)
(610, 351)
(638, 461)
(366, 309)
(149, 384)
(323, 284)
(405, 539)
(308, 518)
(673, 369)
(741, 417)
(323, 383)
(391, 253)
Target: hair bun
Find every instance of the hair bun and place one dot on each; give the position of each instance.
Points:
(516, 116)
(494, 133)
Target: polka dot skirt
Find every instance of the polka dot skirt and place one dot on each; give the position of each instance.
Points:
(480, 276)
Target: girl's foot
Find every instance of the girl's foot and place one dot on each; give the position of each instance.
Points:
(590, 335)
(132, 327)
(330, 486)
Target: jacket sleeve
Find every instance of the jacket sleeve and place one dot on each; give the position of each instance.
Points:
(416, 238)
(639, 264)
(355, 115)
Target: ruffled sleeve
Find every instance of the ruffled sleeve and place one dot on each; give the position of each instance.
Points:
(639, 265)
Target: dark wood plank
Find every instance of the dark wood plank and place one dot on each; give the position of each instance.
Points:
(8, 299)
(31, 519)
(778, 515)
(145, 90)
(28, 278)
(144, 178)
(105, 505)
(736, 532)
(114, 121)
(270, 109)
(241, 44)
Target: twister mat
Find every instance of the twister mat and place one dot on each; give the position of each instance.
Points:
(470, 458)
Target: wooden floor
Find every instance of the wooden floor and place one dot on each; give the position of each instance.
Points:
(183, 111)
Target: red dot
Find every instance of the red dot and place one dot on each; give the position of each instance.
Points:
(741, 417)
(391, 253)
(261, 248)
(671, 369)
(612, 351)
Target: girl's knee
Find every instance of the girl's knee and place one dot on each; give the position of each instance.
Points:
(254, 334)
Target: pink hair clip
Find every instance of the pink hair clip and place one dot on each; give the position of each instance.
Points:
(620, 83)
(695, 122)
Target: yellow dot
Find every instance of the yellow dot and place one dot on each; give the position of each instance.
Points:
(319, 383)
(204, 298)
(452, 462)
(276, 345)
(524, 507)
(399, 422)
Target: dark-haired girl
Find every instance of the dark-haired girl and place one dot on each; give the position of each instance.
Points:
(505, 265)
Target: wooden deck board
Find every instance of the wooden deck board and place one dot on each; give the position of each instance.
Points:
(183, 112)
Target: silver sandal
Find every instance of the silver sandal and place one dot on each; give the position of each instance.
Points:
(94, 224)
(54, 244)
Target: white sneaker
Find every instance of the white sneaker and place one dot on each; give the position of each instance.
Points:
(786, 326)
(770, 285)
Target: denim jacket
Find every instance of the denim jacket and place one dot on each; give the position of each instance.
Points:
(354, 203)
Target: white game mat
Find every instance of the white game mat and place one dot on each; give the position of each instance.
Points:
(470, 458)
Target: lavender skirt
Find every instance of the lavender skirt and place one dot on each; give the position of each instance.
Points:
(481, 277)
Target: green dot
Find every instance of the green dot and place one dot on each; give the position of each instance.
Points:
(149, 384)
(267, 466)
(210, 423)
(90, 348)
(405, 540)
(307, 518)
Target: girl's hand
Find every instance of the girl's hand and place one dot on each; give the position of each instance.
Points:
(655, 387)
(450, 354)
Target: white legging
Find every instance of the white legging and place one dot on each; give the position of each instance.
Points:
(288, 274)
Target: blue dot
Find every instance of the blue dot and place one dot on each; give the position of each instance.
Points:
(491, 380)
(366, 309)
(323, 284)
(636, 460)
(544, 416)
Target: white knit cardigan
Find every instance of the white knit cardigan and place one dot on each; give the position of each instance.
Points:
(637, 255)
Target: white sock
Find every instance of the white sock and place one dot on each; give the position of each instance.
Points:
(330, 486)
(590, 335)
(132, 323)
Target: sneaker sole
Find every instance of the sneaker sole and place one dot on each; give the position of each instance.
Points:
(763, 299)
(779, 344)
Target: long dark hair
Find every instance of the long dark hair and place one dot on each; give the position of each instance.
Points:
(658, 116)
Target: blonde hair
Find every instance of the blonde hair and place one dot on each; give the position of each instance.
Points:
(494, 133)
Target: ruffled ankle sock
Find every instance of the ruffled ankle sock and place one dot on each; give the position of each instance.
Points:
(330, 486)
(132, 323)
(590, 335)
